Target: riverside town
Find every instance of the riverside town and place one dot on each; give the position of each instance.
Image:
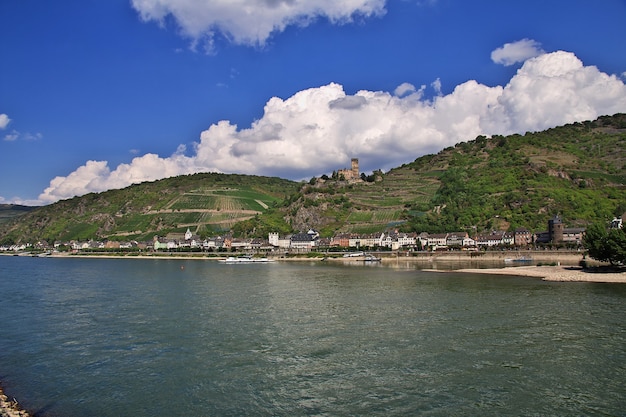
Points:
(555, 236)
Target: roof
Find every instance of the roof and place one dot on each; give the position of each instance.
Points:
(302, 237)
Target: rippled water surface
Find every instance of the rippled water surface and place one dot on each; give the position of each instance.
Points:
(102, 337)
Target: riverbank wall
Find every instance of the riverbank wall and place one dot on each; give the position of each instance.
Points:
(546, 256)
(564, 257)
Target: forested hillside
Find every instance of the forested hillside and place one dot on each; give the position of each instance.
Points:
(577, 171)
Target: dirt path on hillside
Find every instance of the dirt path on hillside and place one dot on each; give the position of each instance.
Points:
(172, 211)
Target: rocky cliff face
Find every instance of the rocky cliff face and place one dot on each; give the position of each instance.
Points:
(313, 217)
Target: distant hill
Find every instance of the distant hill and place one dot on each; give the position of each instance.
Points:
(207, 203)
(577, 171)
(10, 211)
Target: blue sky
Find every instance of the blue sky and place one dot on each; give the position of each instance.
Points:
(99, 94)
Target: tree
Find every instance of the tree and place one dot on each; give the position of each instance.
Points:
(607, 245)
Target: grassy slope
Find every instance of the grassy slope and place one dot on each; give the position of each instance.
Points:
(205, 203)
(11, 211)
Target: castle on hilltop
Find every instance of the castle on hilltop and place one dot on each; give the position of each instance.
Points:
(351, 173)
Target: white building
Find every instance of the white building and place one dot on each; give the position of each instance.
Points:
(302, 241)
(438, 240)
(274, 239)
(407, 239)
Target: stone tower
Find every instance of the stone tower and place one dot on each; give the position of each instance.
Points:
(273, 238)
(352, 173)
(355, 168)
(555, 229)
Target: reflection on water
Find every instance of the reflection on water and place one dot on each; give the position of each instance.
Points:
(447, 264)
(89, 337)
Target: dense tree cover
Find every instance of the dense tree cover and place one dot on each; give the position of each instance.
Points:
(606, 245)
(577, 171)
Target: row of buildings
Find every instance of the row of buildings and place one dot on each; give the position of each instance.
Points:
(394, 240)
(303, 242)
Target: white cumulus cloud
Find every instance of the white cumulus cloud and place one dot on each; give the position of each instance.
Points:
(404, 89)
(520, 51)
(436, 85)
(29, 137)
(4, 121)
(11, 137)
(553, 89)
(318, 130)
(250, 22)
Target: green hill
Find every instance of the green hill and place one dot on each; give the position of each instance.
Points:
(207, 203)
(11, 211)
(577, 171)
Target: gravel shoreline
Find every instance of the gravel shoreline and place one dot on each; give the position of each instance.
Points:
(554, 273)
(10, 408)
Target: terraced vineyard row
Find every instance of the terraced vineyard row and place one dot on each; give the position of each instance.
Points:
(228, 203)
(141, 211)
(230, 199)
(195, 201)
(201, 211)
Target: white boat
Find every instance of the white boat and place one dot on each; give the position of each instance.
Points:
(370, 258)
(354, 254)
(519, 259)
(244, 260)
(361, 256)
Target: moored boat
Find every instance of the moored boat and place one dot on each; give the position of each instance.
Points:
(519, 259)
(244, 259)
(370, 258)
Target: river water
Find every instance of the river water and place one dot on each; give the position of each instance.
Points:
(129, 337)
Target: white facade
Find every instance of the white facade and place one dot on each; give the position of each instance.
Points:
(284, 243)
(468, 242)
(273, 238)
(438, 240)
(405, 239)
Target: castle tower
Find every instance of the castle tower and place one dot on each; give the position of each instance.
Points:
(273, 238)
(555, 230)
(355, 168)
